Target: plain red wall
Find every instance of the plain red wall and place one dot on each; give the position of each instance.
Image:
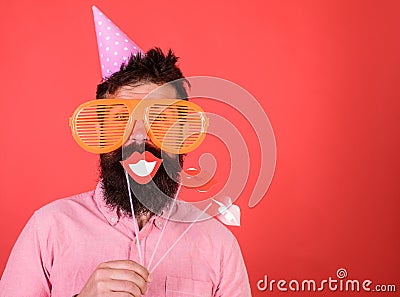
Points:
(326, 73)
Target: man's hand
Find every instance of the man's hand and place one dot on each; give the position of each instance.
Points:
(123, 278)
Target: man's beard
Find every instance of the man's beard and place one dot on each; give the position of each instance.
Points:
(115, 186)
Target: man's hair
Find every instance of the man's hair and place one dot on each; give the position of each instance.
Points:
(152, 67)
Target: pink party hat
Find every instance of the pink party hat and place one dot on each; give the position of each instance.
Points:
(114, 46)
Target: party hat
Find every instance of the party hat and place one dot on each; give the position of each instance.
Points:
(114, 46)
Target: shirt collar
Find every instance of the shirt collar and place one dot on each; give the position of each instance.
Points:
(111, 215)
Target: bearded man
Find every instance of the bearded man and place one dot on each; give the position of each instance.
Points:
(101, 243)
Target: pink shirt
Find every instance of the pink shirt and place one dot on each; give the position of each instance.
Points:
(64, 242)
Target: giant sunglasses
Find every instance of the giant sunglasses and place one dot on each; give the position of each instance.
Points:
(173, 125)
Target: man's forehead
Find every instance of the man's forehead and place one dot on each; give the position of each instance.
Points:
(148, 90)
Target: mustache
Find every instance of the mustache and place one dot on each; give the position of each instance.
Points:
(140, 148)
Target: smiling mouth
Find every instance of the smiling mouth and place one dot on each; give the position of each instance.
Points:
(142, 167)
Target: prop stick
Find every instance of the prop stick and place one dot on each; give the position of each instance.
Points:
(205, 184)
(162, 232)
(179, 238)
(135, 225)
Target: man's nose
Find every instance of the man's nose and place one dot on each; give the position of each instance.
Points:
(139, 133)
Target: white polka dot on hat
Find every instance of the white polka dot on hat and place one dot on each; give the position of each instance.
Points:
(114, 46)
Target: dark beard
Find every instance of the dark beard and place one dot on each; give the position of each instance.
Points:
(115, 187)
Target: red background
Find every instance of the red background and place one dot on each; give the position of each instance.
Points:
(325, 72)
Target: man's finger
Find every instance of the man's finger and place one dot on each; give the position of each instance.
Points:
(123, 286)
(129, 265)
(128, 275)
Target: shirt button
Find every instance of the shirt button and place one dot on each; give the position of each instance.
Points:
(113, 219)
(159, 223)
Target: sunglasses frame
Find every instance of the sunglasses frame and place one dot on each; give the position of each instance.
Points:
(138, 109)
